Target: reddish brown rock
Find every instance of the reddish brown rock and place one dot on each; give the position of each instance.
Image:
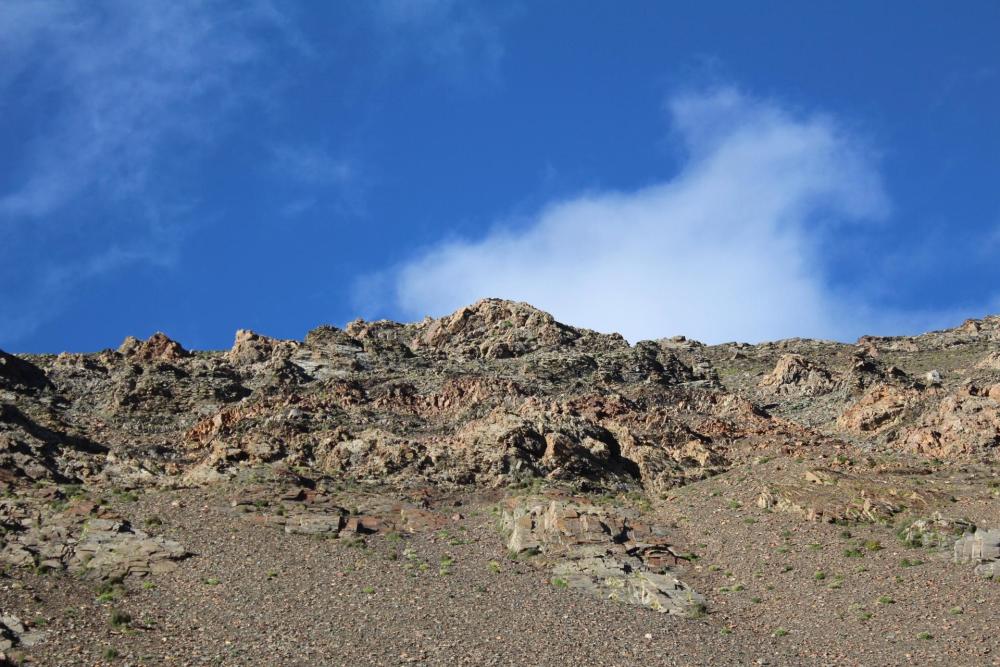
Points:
(881, 407)
(794, 374)
(158, 347)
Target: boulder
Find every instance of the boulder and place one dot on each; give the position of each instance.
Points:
(100, 546)
(323, 525)
(935, 531)
(794, 374)
(158, 347)
(112, 549)
(981, 548)
(597, 550)
(13, 633)
(613, 579)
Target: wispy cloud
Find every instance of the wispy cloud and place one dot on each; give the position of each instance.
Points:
(318, 179)
(33, 301)
(121, 97)
(129, 90)
(312, 165)
(731, 247)
(122, 78)
(462, 39)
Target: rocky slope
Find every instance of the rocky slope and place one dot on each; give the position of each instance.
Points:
(585, 442)
(495, 393)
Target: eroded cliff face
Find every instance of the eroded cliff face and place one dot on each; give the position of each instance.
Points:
(495, 393)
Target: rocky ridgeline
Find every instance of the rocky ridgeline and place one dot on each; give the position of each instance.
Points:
(496, 395)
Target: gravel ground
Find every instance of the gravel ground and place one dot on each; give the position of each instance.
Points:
(781, 591)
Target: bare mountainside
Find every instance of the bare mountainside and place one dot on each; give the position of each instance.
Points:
(495, 487)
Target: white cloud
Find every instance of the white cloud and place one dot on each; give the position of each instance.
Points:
(729, 248)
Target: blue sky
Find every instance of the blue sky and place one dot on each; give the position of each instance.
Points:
(725, 170)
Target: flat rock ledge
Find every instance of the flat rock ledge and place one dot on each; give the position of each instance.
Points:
(832, 496)
(607, 552)
(300, 510)
(100, 547)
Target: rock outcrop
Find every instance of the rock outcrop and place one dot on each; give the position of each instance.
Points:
(882, 407)
(965, 424)
(794, 374)
(828, 495)
(602, 551)
(492, 394)
(982, 549)
(81, 538)
(158, 347)
(935, 531)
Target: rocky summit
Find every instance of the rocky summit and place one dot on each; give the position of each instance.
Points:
(495, 487)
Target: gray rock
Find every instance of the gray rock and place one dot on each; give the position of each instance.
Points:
(595, 549)
(936, 531)
(105, 548)
(113, 549)
(623, 579)
(315, 524)
(981, 548)
(14, 633)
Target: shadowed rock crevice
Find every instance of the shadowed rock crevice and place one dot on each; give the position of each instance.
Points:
(18, 374)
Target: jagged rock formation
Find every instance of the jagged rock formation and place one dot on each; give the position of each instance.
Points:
(493, 393)
(881, 407)
(964, 424)
(496, 392)
(794, 374)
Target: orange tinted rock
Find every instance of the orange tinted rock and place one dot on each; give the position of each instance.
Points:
(158, 347)
(881, 407)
